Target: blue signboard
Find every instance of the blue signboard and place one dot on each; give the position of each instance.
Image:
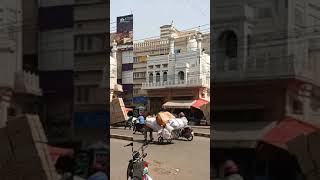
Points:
(91, 120)
(140, 99)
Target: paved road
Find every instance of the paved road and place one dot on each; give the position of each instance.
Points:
(119, 157)
(127, 132)
(181, 160)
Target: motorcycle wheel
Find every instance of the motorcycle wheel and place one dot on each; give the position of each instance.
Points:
(130, 171)
(169, 140)
(190, 138)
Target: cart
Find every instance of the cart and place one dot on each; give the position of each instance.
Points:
(164, 135)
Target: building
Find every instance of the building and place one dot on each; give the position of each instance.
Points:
(177, 79)
(265, 69)
(115, 88)
(19, 88)
(89, 61)
(56, 68)
(157, 47)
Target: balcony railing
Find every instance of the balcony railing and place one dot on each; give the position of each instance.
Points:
(178, 84)
(263, 68)
(27, 83)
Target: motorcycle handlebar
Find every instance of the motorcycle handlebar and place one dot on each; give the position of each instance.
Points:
(130, 144)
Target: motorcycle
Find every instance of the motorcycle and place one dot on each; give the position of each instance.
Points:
(137, 127)
(185, 132)
(129, 123)
(137, 167)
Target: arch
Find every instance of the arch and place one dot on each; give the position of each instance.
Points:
(165, 76)
(181, 76)
(228, 43)
(150, 78)
(158, 77)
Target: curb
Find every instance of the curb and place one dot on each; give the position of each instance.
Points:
(122, 137)
(202, 135)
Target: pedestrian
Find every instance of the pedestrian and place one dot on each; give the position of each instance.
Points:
(231, 171)
(98, 173)
(146, 130)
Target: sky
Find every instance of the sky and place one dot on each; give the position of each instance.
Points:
(149, 15)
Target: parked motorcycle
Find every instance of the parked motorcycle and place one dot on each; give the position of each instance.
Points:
(137, 167)
(186, 132)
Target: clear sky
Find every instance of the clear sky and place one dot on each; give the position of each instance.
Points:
(149, 15)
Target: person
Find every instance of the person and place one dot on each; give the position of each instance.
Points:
(146, 130)
(231, 171)
(181, 115)
(98, 173)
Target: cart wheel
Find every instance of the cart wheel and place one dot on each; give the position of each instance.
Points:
(190, 138)
(160, 139)
(169, 140)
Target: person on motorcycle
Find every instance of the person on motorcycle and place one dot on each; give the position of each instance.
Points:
(141, 120)
(98, 173)
(181, 115)
(231, 171)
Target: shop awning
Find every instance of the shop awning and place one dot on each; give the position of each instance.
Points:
(286, 131)
(178, 104)
(200, 102)
(129, 109)
(56, 152)
(229, 135)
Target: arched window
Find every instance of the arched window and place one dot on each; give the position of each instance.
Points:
(150, 78)
(165, 74)
(229, 44)
(181, 76)
(158, 77)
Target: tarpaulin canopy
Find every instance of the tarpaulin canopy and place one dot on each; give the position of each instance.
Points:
(178, 104)
(287, 130)
(200, 102)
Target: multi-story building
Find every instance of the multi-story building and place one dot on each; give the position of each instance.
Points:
(178, 79)
(19, 89)
(265, 69)
(56, 64)
(156, 47)
(89, 61)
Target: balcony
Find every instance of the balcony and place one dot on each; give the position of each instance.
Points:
(27, 83)
(178, 84)
(264, 68)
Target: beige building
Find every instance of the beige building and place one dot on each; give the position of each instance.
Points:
(160, 46)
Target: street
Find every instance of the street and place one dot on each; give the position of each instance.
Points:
(176, 161)
(119, 158)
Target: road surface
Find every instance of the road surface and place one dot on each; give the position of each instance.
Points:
(181, 160)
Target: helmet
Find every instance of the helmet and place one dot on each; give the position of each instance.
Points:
(230, 167)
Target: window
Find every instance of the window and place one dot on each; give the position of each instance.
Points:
(263, 13)
(135, 60)
(248, 44)
(181, 76)
(79, 93)
(177, 51)
(86, 94)
(165, 65)
(165, 74)
(150, 67)
(150, 78)
(157, 66)
(89, 43)
(158, 77)
(81, 39)
(228, 43)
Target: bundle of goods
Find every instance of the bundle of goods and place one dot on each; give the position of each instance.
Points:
(163, 118)
(164, 133)
(152, 123)
(178, 123)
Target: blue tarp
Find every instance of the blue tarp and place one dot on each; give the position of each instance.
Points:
(91, 120)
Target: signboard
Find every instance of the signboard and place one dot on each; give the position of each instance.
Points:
(140, 100)
(91, 120)
(124, 30)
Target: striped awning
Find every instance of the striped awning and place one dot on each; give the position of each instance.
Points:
(178, 104)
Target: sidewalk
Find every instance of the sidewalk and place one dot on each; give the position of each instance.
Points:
(121, 133)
